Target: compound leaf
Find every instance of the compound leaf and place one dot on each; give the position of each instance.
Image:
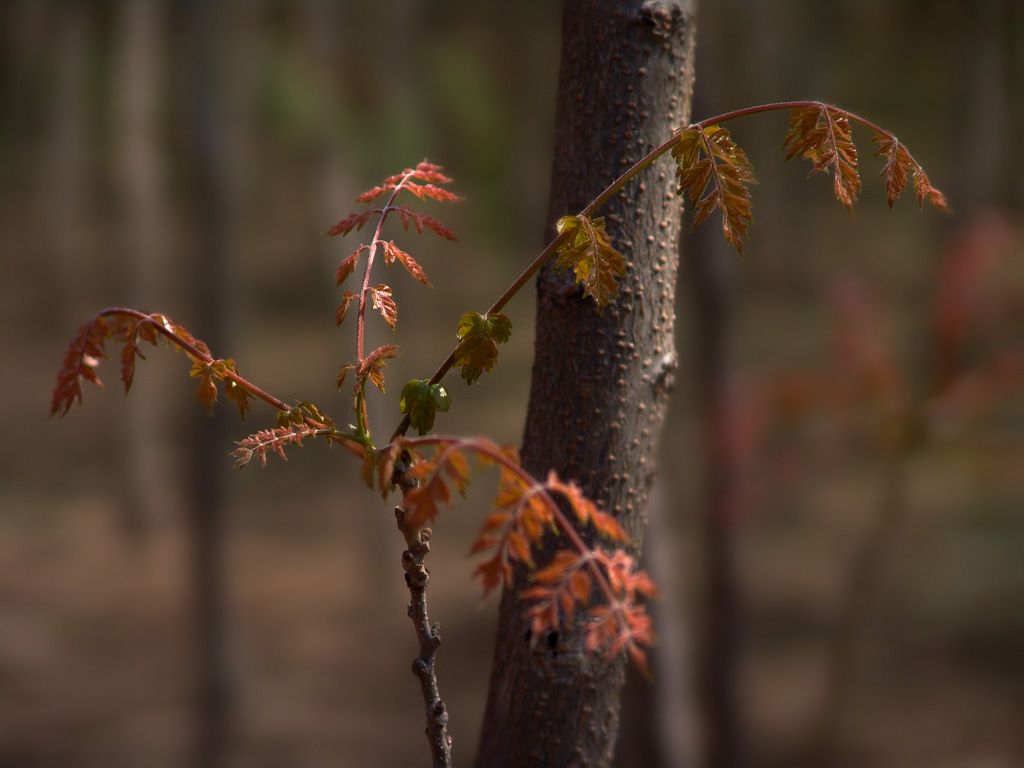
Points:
(822, 135)
(715, 173)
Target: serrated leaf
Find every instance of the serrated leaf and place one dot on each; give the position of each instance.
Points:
(429, 172)
(350, 222)
(420, 220)
(897, 163)
(347, 267)
(423, 191)
(342, 372)
(479, 337)
(924, 190)
(822, 135)
(373, 364)
(589, 253)
(372, 194)
(715, 173)
(206, 392)
(393, 252)
(342, 310)
(422, 400)
(382, 300)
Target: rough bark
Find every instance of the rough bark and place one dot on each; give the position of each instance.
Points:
(600, 380)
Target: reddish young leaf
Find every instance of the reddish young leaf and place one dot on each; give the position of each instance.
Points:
(347, 267)
(342, 310)
(822, 135)
(493, 573)
(256, 445)
(427, 172)
(206, 392)
(342, 372)
(80, 360)
(587, 511)
(924, 190)
(238, 395)
(422, 503)
(393, 252)
(372, 194)
(128, 355)
(372, 366)
(382, 300)
(350, 222)
(897, 163)
(421, 220)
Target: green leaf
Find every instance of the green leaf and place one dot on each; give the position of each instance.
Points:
(480, 336)
(589, 252)
(421, 400)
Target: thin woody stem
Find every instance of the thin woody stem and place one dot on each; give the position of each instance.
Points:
(429, 635)
(565, 526)
(196, 353)
(617, 185)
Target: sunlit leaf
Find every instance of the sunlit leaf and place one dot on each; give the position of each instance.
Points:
(589, 253)
(479, 336)
(715, 173)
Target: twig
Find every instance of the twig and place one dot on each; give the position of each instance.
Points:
(429, 636)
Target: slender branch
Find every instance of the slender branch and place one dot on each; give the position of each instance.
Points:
(617, 185)
(195, 352)
(429, 637)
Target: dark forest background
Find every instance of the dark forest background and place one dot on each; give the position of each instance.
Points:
(148, 148)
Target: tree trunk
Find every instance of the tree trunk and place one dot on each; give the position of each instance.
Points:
(600, 380)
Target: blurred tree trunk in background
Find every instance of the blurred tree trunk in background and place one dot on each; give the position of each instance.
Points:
(141, 200)
(710, 265)
(600, 381)
(207, 177)
(658, 725)
(64, 188)
(991, 110)
(709, 270)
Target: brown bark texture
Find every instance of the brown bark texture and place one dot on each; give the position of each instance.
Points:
(601, 380)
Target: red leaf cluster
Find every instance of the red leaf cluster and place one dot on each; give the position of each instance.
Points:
(128, 327)
(598, 590)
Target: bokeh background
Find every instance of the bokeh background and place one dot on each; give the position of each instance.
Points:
(184, 157)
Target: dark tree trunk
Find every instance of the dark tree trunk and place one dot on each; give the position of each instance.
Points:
(600, 381)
